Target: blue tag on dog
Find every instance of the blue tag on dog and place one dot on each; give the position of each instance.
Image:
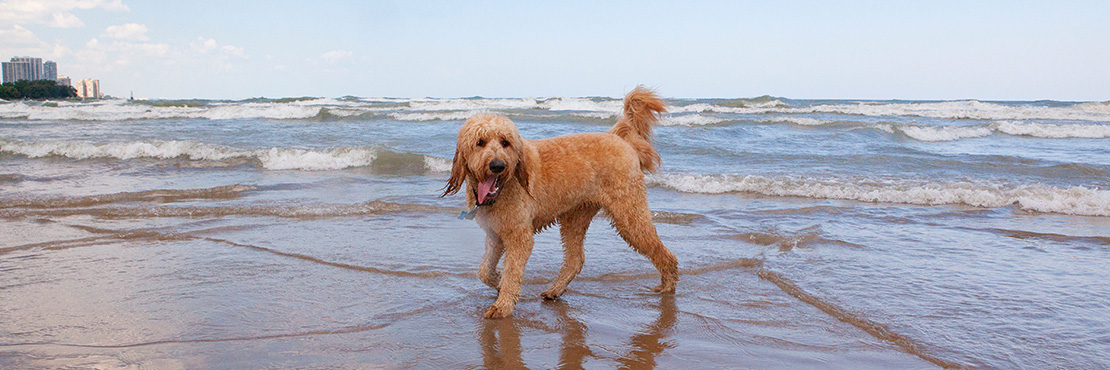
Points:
(468, 215)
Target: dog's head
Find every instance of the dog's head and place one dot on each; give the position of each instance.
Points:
(488, 155)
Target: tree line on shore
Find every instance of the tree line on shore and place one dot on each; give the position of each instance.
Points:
(41, 89)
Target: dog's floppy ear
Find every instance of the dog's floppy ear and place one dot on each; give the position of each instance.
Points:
(458, 175)
(521, 171)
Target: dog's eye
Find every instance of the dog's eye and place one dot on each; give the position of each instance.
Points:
(505, 143)
(481, 143)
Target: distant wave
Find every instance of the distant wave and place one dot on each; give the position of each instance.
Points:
(968, 109)
(689, 120)
(119, 111)
(1037, 198)
(804, 121)
(276, 158)
(431, 109)
(1016, 128)
(433, 116)
(942, 133)
(1055, 131)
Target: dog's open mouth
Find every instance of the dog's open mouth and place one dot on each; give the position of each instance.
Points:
(488, 190)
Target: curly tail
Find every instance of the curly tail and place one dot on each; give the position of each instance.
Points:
(642, 108)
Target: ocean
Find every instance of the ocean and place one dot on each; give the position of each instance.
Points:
(309, 233)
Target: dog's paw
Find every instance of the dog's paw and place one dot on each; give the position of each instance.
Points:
(553, 293)
(491, 280)
(664, 288)
(495, 312)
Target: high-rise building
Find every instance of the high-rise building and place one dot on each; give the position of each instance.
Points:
(64, 81)
(49, 71)
(28, 68)
(15, 71)
(88, 88)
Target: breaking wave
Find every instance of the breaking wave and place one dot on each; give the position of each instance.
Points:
(1076, 200)
(968, 109)
(433, 116)
(1016, 128)
(430, 109)
(927, 133)
(276, 158)
(115, 110)
(689, 120)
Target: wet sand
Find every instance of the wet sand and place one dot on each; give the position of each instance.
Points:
(104, 288)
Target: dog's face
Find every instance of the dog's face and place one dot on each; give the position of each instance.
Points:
(489, 154)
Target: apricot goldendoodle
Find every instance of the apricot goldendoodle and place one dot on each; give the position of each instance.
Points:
(520, 187)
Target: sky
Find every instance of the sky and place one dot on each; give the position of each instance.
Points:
(921, 50)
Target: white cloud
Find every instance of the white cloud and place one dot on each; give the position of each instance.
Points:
(336, 55)
(16, 41)
(66, 20)
(234, 50)
(203, 45)
(130, 31)
(17, 36)
(126, 47)
(54, 13)
(206, 46)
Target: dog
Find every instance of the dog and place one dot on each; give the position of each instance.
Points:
(518, 187)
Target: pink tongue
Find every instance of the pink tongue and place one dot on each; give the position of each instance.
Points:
(484, 187)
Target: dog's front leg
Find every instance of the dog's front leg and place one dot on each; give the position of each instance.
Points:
(487, 271)
(517, 247)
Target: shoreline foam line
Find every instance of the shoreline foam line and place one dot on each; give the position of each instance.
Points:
(156, 195)
(1076, 200)
(274, 158)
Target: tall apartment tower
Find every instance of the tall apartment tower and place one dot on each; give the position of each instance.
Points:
(49, 71)
(24, 68)
(15, 71)
(30, 69)
(88, 88)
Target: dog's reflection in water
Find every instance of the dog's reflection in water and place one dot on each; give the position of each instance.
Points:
(501, 347)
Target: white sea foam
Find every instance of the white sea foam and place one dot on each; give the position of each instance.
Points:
(117, 110)
(769, 106)
(275, 158)
(944, 133)
(804, 121)
(1017, 128)
(689, 120)
(1038, 198)
(587, 107)
(596, 115)
(434, 116)
(1054, 131)
(471, 104)
(261, 110)
(126, 150)
(330, 159)
(702, 108)
(580, 104)
(967, 109)
(437, 164)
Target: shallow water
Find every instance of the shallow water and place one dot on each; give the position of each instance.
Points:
(810, 234)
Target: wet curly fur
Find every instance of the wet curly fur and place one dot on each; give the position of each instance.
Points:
(533, 184)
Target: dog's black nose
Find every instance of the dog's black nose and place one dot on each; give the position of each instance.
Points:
(497, 165)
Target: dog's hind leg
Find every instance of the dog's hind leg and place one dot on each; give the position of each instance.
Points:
(632, 219)
(572, 228)
(487, 271)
